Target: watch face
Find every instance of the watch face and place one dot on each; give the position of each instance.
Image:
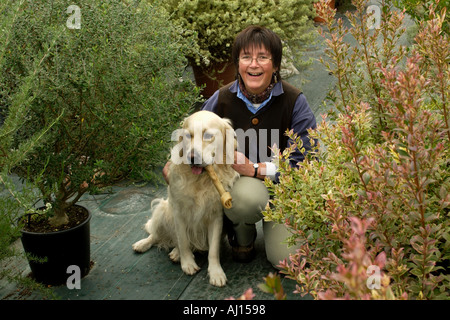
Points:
(255, 165)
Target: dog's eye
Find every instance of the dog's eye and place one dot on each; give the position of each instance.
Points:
(208, 136)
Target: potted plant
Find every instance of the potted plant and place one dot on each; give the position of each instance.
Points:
(101, 91)
(215, 24)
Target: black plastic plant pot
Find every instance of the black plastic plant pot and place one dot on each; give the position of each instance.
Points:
(60, 250)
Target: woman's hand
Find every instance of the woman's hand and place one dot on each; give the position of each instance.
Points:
(245, 167)
(165, 171)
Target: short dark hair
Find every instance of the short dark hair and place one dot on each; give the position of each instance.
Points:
(258, 36)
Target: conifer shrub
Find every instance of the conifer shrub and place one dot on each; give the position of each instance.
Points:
(215, 24)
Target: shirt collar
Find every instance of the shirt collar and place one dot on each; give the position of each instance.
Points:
(276, 91)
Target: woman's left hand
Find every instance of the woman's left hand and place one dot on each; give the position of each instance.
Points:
(242, 164)
(245, 167)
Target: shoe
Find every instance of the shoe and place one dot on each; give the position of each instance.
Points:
(243, 254)
(239, 253)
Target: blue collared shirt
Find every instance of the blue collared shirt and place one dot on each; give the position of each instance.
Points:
(302, 116)
(247, 102)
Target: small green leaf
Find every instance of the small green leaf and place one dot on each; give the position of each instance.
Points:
(366, 178)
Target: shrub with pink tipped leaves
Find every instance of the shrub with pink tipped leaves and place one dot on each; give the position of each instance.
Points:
(369, 209)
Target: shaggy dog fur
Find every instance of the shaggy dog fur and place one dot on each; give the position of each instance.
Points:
(191, 218)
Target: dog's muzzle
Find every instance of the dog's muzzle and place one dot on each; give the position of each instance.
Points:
(196, 162)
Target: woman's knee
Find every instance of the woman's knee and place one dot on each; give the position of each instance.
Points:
(250, 197)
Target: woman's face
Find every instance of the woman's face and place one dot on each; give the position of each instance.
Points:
(256, 75)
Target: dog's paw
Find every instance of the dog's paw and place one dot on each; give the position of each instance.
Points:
(174, 255)
(142, 245)
(189, 268)
(217, 277)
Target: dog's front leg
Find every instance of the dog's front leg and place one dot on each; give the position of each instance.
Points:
(216, 275)
(187, 261)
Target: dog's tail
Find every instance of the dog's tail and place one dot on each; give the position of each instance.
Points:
(157, 206)
(161, 224)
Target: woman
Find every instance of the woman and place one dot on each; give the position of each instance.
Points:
(261, 107)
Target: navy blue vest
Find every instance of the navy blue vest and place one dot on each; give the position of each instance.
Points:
(267, 126)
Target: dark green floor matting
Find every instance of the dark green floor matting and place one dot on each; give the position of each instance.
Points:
(120, 273)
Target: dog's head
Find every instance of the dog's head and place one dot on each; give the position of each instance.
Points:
(204, 139)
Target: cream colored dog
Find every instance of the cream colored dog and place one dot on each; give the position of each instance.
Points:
(191, 218)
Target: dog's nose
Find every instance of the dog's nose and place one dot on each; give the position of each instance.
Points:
(195, 158)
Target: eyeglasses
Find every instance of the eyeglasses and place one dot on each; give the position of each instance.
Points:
(261, 60)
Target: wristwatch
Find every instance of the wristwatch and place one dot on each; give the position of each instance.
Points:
(256, 166)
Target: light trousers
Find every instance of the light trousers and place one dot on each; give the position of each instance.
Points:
(250, 197)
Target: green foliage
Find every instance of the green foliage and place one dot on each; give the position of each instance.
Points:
(8, 231)
(13, 201)
(272, 284)
(18, 101)
(420, 10)
(376, 191)
(101, 101)
(215, 24)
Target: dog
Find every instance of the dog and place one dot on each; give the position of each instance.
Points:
(191, 218)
